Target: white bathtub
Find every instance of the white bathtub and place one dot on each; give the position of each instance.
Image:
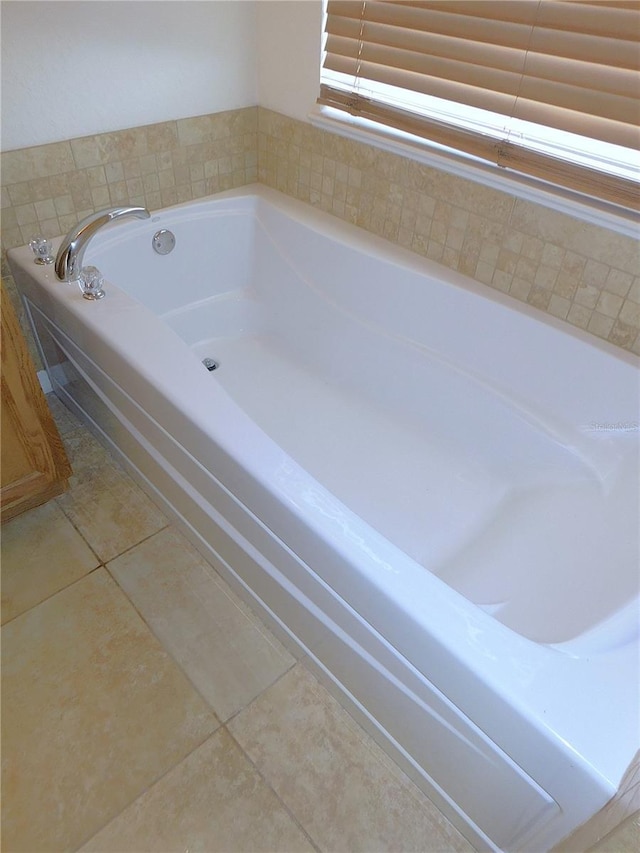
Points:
(429, 488)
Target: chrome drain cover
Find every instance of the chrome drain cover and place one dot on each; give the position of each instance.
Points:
(210, 364)
(163, 241)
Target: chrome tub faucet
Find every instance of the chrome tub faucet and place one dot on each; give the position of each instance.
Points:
(71, 251)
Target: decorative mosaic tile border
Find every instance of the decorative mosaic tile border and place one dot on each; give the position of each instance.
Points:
(581, 273)
(50, 187)
(47, 189)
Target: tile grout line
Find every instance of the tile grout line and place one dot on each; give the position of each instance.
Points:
(149, 628)
(53, 594)
(177, 663)
(113, 462)
(223, 723)
(151, 785)
(269, 785)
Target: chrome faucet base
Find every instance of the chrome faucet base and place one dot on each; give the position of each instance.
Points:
(72, 248)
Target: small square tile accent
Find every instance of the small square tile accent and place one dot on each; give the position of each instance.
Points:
(550, 260)
(435, 214)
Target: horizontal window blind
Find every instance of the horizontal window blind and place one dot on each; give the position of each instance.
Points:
(571, 66)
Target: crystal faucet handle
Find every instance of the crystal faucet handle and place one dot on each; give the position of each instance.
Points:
(42, 249)
(90, 282)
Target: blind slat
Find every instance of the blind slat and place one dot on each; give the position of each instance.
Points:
(436, 21)
(490, 67)
(451, 90)
(422, 43)
(413, 14)
(507, 154)
(601, 21)
(565, 64)
(383, 62)
(449, 40)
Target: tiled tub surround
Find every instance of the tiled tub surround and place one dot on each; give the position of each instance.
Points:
(587, 275)
(49, 187)
(581, 273)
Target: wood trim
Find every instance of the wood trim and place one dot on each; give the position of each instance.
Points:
(35, 465)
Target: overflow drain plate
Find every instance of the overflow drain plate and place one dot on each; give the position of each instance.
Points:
(163, 241)
(210, 363)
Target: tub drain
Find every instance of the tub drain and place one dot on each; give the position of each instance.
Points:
(210, 364)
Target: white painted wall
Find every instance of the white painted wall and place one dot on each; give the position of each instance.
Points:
(289, 53)
(75, 68)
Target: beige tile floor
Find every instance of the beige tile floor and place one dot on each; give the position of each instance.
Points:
(145, 708)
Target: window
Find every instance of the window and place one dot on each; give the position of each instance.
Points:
(548, 88)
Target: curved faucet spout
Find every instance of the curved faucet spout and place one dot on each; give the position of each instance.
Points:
(71, 251)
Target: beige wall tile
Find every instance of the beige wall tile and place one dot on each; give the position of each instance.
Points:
(38, 162)
(468, 227)
(94, 711)
(214, 800)
(609, 304)
(559, 306)
(619, 282)
(340, 786)
(600, 325)
(161, 137)
(630, 313)
(224, 649)
(579, 316)
(623, 334)
(634, 292)
(391, 196)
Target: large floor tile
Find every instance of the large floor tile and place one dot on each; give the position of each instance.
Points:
(213, 801)
(42, 553)
(228, 654)
(103, 502)
(94, 712)
(340, 786)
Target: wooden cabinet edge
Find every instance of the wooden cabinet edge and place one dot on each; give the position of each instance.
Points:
(25, 405)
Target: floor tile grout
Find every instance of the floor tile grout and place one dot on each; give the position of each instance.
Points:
(53, 594)
(152, 784)
(266, 781)
(262, 692)
(221, 724)
(159, 640)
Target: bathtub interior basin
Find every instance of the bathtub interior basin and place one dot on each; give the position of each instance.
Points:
(490, 485)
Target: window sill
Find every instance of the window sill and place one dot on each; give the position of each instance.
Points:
(465, 166)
